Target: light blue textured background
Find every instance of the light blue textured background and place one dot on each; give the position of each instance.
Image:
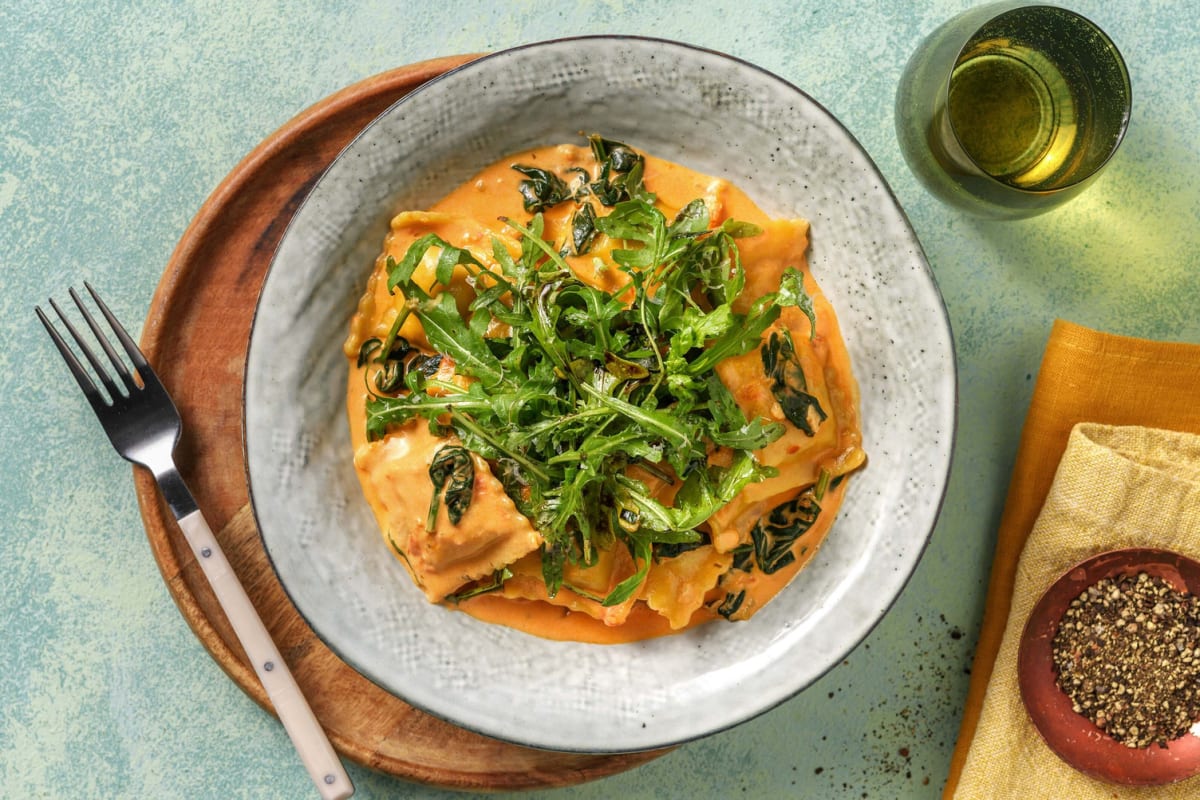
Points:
(118, 118)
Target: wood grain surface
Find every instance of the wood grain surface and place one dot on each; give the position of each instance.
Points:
(196, 336)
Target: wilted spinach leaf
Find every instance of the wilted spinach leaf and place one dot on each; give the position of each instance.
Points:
(452, 470)
(789, 385)
(774, 535)
(621, 171)
(730, 605)
(583, 229)
(541, 188)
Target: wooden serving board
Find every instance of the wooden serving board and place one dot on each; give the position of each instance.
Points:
(196, 336)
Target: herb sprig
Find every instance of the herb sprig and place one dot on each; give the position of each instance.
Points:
(591, 398)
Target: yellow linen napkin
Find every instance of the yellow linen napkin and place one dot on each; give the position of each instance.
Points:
(1085, 376)
(1116, 487)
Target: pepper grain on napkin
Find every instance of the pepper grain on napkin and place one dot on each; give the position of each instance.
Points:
(1142, 399)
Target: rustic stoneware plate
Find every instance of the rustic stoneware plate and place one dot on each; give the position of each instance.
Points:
(714, 114)
(1073, 736)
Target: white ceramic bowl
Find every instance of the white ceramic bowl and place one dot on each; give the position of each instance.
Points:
(714, 114)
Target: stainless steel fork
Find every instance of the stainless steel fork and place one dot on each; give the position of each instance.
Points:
(144, 426)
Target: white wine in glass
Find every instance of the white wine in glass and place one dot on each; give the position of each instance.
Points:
(1008, 110)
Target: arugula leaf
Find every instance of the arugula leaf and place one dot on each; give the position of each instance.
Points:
(449, 258)
(793, 293)
(705, 491)
(740, 339)
(692, 218)
(554, 560)
(496, 582)
(445, 329)
(625, 589)
(636, 221)
(383, 411)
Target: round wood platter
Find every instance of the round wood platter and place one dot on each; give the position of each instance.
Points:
(196, 336)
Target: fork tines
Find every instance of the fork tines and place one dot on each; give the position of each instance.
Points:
(77, 369)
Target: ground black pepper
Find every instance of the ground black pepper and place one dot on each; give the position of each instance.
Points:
(1127, 653)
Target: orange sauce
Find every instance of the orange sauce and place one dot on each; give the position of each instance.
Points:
(555, 622)
(471, 216)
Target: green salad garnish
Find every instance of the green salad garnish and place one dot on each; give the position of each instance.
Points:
(578, 397)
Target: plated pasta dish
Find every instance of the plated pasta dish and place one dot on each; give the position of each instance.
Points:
(595, 395)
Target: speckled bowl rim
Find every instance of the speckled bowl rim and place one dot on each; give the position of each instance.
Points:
(607, 744)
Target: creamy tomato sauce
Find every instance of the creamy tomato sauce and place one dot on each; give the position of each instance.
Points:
(678, 592)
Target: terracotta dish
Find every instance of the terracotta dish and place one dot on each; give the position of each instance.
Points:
(1073, 736)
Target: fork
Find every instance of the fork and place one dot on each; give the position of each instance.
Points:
(144, 426)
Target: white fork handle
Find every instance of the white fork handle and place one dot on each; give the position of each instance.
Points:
(298, 720)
